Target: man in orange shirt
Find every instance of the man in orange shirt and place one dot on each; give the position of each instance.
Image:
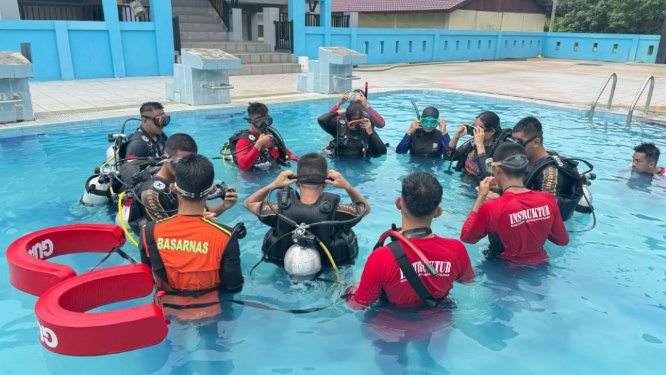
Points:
(190, 254)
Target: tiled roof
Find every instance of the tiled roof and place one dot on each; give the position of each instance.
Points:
(393, 5)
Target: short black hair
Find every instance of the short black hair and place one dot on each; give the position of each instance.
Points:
(180, 142)
(354, 112)
(312, 163)
(650, 150)
(257, 109)
(421, 194)
(507, 149)
(195, 174)
(490, 120)
(150, 106)
(530, 126)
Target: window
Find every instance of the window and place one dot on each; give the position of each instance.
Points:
(396, 46)
(410, 46)
(650, 50)
(446, 45)
(490, 44)
(576, 47)
(478, 45)
(469, 45)
(615, 48)
(594, 47)
(457, 45)
(424, 46)
(365, 48)
(381, 47)
(522, 44)
(557, 46)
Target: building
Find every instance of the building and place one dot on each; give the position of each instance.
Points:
(500, 15)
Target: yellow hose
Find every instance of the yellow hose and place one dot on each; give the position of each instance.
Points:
(224, 160)
(122, 221)
(113, 157)
(337, 273)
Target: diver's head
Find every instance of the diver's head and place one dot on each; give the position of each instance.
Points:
(258, 117)
(509, 164)
(529, 132)
(420, 198)
(354, 113)
(311, 171)
(153, 119)
(429, 119)
(645, 159)
(176, 147)
(490, 123)
(194, 179)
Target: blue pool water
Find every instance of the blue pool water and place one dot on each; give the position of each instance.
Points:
(599, 308)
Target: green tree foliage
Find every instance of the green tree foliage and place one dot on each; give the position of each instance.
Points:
(612, 16)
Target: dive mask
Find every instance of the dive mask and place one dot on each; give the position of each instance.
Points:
(429, 122)
(261, 122)
(521, 142)
(159, 120)
(354, 123)
(517, 161)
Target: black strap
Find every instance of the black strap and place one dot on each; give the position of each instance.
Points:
(409, 272)
(156, 262)
(119, 252)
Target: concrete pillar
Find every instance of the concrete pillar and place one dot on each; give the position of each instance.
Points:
(9, 10)
(160, 15)
(297, 14)
(236, 24)
(270, 15)
(254, 25)
(326, 12)
(353, 20)
(113, 25)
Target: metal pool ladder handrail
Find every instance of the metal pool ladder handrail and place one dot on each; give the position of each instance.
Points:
(650, 80)
(601, 90)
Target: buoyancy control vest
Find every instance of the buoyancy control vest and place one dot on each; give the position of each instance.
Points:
(340, 240)
(462, 153)
(348, 142)
(156, 148)
(572, 190)
(426, 144)
(264, 162)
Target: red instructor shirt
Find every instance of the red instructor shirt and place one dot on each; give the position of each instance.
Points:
(523, 222)
(382, 272)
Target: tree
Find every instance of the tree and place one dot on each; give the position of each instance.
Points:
(612, 16)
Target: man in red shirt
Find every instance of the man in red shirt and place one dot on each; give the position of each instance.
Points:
(256, 147)
(419, 204)
(520, 220)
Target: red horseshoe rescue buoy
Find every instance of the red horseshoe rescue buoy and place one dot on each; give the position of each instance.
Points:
(29, 270)
(66, 328)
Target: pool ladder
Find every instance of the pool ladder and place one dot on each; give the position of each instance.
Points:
(630, 114)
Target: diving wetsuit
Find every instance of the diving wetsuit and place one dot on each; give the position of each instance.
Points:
(140, 145)
(358, 143)
(425, 144)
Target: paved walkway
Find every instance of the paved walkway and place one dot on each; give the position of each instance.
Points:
(570, 83)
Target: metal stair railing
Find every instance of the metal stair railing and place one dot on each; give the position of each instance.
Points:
(650, 80)
(601, 90)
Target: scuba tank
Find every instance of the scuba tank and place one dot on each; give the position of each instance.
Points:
(96, 191)
(126, 209)
(302, 261)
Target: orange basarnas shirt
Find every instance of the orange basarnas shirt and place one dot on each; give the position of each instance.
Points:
(191, 248)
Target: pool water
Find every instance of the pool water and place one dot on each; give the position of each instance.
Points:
(599, 307)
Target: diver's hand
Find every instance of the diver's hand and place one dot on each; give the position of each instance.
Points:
(210, 215)
(478, 139)
(339, 180)
(263, 141)
(462, 130)
(484, 187)
(367, 125)
(415, 125)
(342, 111)
(282, 181)
(364, 102)
(343, 98)
(230, 198)
(491, 194)
(442, 126)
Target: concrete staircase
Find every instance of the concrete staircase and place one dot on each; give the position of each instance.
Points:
(201, 27)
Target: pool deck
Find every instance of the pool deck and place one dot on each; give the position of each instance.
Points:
(561, 83)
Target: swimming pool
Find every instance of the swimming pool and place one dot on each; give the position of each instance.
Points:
(598, 308)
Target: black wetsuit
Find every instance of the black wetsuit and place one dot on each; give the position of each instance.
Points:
(356, 143)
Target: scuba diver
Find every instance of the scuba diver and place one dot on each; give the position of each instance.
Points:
(352, 132)
(548, 171)
(423, 138)
(520, 220)
(471, 156)
(149, 138)
(429, 263)
(261, 147)
(359, 97)
(159, 200)
(190, 254)
(313, 217)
